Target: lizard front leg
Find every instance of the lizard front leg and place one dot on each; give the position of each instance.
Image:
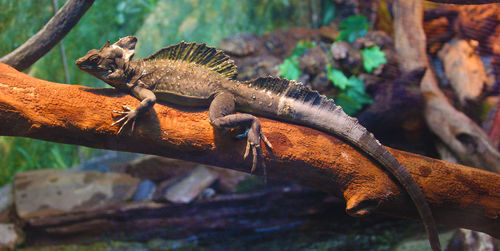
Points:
(222, 114)
(148, 99)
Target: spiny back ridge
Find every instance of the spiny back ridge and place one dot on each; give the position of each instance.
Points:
(199, 54)
(296, 90)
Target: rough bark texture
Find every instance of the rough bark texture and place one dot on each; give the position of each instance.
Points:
(467, 140)
(494, 133)
(43, 41)
(466, 2)
(459, 195)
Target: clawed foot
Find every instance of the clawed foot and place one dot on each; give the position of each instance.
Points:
(253, 143)
(130, 116)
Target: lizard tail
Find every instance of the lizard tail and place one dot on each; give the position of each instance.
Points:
(372, 147)
(298, 104)
(331, 118)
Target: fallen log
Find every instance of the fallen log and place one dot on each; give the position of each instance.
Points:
(460, 196)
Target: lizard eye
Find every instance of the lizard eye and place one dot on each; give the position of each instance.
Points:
(94, 58)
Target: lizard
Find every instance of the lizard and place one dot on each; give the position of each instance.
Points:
(193, 74)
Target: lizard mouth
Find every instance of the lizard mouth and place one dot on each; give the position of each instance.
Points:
(105, 74)
(82, 65)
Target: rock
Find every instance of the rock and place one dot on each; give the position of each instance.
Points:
(40, 193)
(321, 83)
(464, 69)
(260, 66)
(340, 49)
(207, 193)
(209, 22)
(329, 33)
(145, 191)
(186, 189)
(419, 243)
(465, 239)
(6, 202)
(372, 38)
(241, 44)
(157, 169)
(10, 236)
(281, 43)
(313, 61)
(105, 160)
(229, 179)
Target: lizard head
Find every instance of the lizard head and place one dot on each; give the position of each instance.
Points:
(111, 62)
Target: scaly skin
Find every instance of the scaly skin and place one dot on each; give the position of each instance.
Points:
(196, 75)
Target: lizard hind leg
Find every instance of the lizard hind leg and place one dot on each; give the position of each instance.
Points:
(222, 115)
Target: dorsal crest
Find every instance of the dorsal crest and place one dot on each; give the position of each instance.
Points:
(199, 54)
(293, 89)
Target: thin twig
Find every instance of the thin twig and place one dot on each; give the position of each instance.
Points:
(46, 38)
(61, 47)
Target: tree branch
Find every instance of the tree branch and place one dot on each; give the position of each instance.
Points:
(459, 196)
(465, 2)
(43, 41)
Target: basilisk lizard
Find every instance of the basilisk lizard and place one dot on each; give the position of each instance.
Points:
(192, 74)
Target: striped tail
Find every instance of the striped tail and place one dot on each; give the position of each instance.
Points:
(300, 105)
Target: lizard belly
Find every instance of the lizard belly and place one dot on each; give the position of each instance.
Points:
(184, 100)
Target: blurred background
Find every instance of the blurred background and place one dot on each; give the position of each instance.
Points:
(342, 48)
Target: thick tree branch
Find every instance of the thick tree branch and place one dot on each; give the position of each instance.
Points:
(467, 140)
(43, 41)
(465, 2)
(459, 195)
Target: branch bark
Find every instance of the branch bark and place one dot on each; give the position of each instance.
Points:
(467, 140)
(465, 2)
(43, 41)
(459, 196)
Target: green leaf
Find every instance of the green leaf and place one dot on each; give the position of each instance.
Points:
(348, 104)
(353, 97)
(329, 12)
(301, 47)
(361, 97)
(337, 77)
(373, 57)
(357, 91)
(290, 69)
(353, 27)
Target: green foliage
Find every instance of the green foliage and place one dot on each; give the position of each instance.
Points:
(352, 28)
(373, 57)
(157, 23)
(301, 47)
(329, 12)
(353, 94)
(21, 154)
(211, 21)
(290, 67)
(22, 19)
(337, 77)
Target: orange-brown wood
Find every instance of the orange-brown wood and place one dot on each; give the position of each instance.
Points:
(459, 196)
